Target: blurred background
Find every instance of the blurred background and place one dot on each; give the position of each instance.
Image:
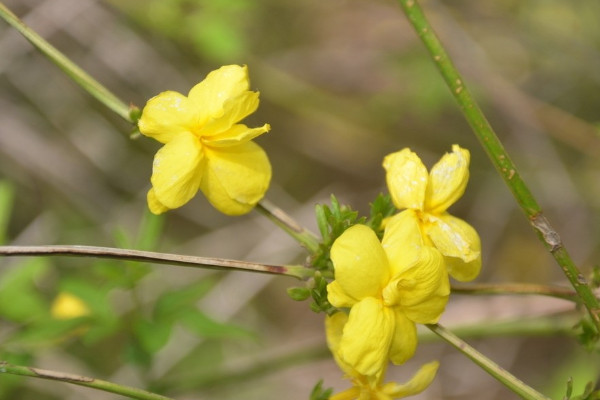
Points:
(343, 83)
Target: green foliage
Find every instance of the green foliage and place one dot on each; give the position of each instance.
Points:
(318, 393)
(20, 299)
(586, 333)
(588, 394)
(7, 196)
(381, 208)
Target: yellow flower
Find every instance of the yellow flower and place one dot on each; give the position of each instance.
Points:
(372, 387)
(388, 286)
(427, 196)
(204, 146)
(68, 306)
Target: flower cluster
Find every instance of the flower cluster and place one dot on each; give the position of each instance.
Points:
(205, 148)
(390, 286)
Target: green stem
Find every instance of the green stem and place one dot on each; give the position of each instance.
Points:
(499, 157)
(73, 71)
(500, 374)
(289, 225)
(81, 381)
(297, 271)
(515, 289)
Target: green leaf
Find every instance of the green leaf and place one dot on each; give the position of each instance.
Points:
(170, 304)
(20, 299)
(298, 293)
(7, 196)
(204, 326)
(318, 393)
(152, 336)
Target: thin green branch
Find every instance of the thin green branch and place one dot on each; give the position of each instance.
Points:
(499, 157)
(500, 374)
(81, 77)
(98, 384)
(305, 237)
(296, 271)
(516, 289)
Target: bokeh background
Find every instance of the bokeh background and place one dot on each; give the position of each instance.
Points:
(343, 83)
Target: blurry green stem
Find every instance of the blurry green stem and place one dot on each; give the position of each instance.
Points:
(81, 381)
(289, 225)
(499, 157)
(73, 71)
(296, 271)
(503, 376)
(515, 289)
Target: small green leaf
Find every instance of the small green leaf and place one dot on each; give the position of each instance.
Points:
(170, 304)
(204, 326)
(20, 299)
(152, 336)
(318, 393)
(298, 293)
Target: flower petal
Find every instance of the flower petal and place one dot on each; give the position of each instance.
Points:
(237, 134)
(367, 335)
(176, 171)
(334, 327)
(454, 237)
(167, 115)
(219, 86)
(155, 206)
(406, 179)
(404, 341)
(236, 177)
(234, 110)
(463, 261)
(402, 241)
(447, 180)
(419, 382)
(360, 264)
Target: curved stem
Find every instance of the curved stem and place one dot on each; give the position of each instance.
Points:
(296, 271)
(499, 157)
(289, 225)
(81, 77)
(516, 289)
(500, 374)
(81, 381)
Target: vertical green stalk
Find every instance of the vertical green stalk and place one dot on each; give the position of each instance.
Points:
(80, 77)
(499, 157)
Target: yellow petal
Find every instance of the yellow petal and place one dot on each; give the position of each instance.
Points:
(237, 134)
(367, 335)
(349, 394)
(166, 116)
(219, 86)
(68, 306)
(447, 180)
(334, 327)
(155, 206)
(463, 260)
(454, 237)
(338, 297)
(236, 178)
(420, 281)
(360, 264)
(419, 382)
(234, 110)
(176, 171)
(406, 179)
(402, 241)
(404, 341)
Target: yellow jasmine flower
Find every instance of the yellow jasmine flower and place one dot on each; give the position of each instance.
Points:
(427, 196)
(372, 387)
(205, 148)
(388, 286)
(68, 306)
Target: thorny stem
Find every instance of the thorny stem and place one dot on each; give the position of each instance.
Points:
(500, 157)
(499, 373)
(296, 271)
(111, 387)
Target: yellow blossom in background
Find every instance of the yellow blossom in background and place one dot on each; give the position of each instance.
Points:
(205, 148)
(68, 306)
(388, 286)
(372, 387)
(427, 196)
